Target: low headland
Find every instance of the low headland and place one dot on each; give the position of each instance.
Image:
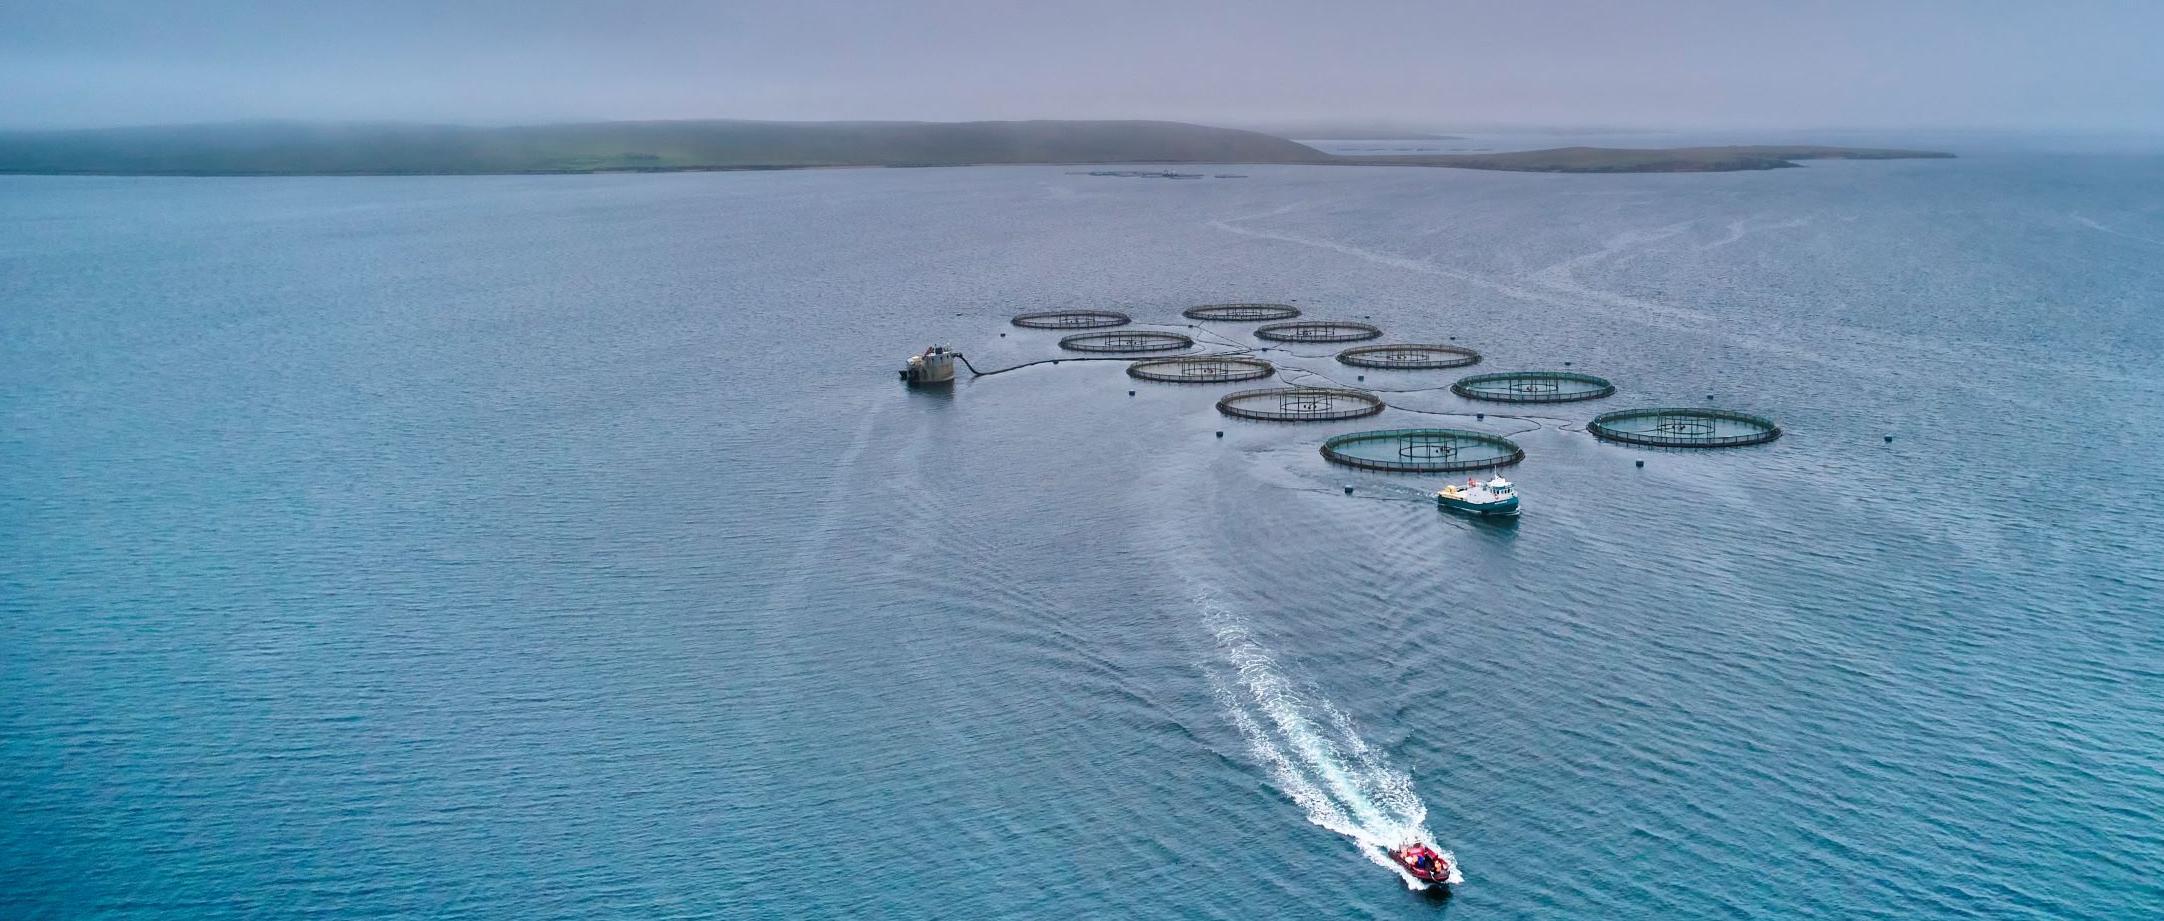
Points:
(311, 149)
(1651, 159)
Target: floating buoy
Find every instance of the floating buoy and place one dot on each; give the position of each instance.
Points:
(1348, 489)
(1362, 376)
(1481, 416)
(1130, 393)
(1641, 465)
(1221, 434)
(1889, 439)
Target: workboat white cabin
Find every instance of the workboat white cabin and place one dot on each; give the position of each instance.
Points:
(1497, 497)
(935, 365)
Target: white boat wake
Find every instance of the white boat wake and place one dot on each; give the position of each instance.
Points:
(1315, 755)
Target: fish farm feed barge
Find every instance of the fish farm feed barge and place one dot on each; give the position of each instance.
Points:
(930, 368)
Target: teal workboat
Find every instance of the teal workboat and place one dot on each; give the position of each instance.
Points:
(1496, 498)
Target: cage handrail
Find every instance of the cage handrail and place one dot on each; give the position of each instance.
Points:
(1331, 453)
(1467, 387)
(1357, 356)
(1600, 427)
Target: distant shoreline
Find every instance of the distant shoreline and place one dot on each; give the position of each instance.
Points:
(597, 171)
(1650, 159)
(302, 149)
(1621, 163)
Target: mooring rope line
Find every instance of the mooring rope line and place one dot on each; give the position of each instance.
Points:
(973, 372)
(1221, 337)
(964, 356)
(1539, 422)
(1285, 375)
(1423, 497)
(1238, 349)
(1280, 348)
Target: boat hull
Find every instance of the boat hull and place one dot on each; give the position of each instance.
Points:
(1508, 508)
(1440, 876)
(931, 369)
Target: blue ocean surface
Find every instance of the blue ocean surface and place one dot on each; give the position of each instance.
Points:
(565, 547)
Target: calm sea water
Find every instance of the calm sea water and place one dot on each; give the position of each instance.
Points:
(528, 547)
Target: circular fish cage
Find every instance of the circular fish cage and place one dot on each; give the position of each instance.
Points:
(1422, 450)
(1126, 340)
(1244, 313)
(1317, 331)
(1300, 404)
(1409, 356)
(1072, 319)
(1201, 369)
(1684, 427)
(1533, 387)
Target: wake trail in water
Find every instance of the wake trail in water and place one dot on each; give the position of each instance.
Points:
(1314, 752)
(2102, 227)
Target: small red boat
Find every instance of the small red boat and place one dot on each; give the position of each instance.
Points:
(1423, 862)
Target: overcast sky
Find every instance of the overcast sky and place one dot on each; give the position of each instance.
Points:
(2087, 65)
